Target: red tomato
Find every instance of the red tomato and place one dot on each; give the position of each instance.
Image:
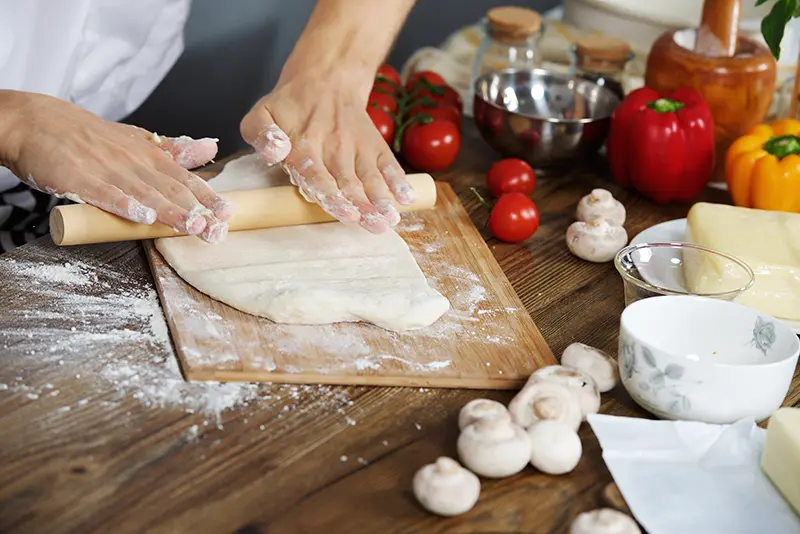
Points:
(386, 102)
(389, 72)
(427, 75)
(383, 122)
(385, 86)
(514, 218)
(431, 147)
(437, 113)
(511, 176)
(452, 96)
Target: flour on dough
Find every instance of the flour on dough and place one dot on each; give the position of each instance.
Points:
(311, 274)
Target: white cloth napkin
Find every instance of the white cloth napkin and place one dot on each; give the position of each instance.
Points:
(683, 477)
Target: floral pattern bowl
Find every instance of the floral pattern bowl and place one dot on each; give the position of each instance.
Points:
(702, 359)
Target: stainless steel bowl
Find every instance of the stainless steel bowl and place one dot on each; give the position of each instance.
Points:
(545, 118)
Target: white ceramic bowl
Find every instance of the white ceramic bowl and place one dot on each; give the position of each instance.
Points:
(702, 359)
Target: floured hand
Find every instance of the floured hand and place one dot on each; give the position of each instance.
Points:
(61, 149)
(336, 157)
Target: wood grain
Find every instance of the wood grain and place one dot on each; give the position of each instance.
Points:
(115, 464)
(486, 341)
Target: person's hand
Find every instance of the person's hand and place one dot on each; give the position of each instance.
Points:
(336, 156)
(61, 149)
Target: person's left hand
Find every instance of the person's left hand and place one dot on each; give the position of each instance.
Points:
(336, 157)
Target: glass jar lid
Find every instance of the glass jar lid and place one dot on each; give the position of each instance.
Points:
(513, 23)
(603, 48)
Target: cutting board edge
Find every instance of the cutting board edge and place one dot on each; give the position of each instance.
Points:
(358, 380)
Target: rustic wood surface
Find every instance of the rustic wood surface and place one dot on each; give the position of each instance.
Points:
(487, 340)
(286, 462)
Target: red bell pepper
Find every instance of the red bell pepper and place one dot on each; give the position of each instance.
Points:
(662, 145)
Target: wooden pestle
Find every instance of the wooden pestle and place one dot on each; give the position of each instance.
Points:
(719, 28)
(82, 224)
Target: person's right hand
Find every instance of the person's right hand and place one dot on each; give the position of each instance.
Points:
(61, 149)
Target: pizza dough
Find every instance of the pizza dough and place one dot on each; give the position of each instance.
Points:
(311, 274)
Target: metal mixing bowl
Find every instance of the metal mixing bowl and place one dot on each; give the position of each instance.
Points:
(545, 118)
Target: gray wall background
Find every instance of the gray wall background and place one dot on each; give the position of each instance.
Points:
(235, 51)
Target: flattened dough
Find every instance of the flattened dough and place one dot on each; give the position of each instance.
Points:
(312, 274)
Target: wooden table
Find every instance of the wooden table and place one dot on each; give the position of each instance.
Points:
(87, 446)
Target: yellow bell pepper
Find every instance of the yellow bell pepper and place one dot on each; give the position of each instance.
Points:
(762, 168)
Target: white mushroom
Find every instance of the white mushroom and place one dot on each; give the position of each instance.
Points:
(555, 447)
(597, 240)
(480, 409)
(604, 521)
(600, 203)
(545, 400)
(494, 448)
(581, 384)
(445, 488)
(594, 362)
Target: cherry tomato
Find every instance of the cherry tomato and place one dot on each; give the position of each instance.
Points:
(383, 122)
(511, 176)
(444, 113)
(514, 218)
(452, 96)
(386, 102)
(385, 86)
(389, 72)
(427, 75)
(431, 147)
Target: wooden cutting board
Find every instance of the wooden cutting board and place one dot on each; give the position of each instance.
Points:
(486, 341)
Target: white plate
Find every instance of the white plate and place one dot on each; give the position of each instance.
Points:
(674, 232)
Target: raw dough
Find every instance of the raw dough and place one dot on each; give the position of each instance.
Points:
(311, 274)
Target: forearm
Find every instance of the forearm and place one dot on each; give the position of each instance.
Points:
(348, 35)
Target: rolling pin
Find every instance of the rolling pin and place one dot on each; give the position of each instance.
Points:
(82, 224)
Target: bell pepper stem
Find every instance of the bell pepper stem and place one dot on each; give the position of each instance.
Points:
(783, 145)
(665, 105)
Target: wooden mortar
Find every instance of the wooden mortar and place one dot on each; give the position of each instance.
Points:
(736, 75)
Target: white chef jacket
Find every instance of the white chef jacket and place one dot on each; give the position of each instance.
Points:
(106, 56)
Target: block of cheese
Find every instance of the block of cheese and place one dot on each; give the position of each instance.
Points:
(781, 458)
(768, 241)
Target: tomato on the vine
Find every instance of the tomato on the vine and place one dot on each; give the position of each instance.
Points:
(511, 176)
(445, 113)
(427, 75)
(452, 96)
(388, 72)
(514, 218)
(383, 122)
(431, 147)
(384, 101)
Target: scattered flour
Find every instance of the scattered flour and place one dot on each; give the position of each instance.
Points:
(101, 322)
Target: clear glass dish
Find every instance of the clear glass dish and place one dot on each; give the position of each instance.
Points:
(652, 269)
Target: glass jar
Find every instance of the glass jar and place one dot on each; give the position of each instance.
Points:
(511, 41)
(601, 60)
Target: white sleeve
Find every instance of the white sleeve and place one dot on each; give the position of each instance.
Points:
(126, 50)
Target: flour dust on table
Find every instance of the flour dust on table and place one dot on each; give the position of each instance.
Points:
(311, 274)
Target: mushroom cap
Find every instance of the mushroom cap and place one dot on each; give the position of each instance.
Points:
(604, 521)
(445, 488)
(597, 240)
(542, 399)
(594, 362)
(494, 448)
(555, 447)
(580, 383)
(480, 409)
(600, 203)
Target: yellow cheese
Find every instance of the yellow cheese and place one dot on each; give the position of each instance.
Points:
(781, 458)
(768, 241)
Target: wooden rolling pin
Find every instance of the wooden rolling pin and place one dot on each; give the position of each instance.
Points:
(82, 224)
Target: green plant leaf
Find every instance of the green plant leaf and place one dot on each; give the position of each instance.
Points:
(760, 2)
(774, 24)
